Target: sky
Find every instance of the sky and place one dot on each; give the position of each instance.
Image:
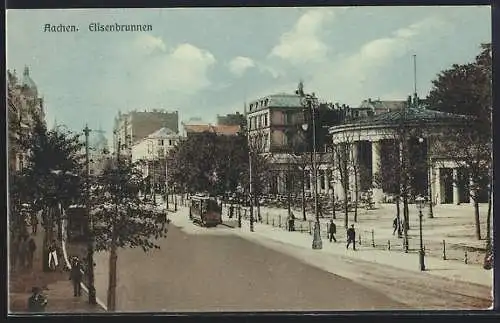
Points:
(209, 61)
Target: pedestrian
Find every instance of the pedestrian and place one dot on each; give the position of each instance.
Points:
(31, 252)
(37, 301)
(320, 210)
(53, 261)
(332, 230)
(291, 222)
(23, 252)
(395, 225)
(351, 237)
(34, 223)
(76, 277)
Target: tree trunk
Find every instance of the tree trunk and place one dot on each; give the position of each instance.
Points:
(406, 223)
(303, 197)
(112, 277)
(356, 194)
(346, 204)
(398, 216)
(488, 215)
(476, 217)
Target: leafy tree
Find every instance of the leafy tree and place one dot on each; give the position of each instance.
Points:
(50, 180)
(466, 89)
(121, 219)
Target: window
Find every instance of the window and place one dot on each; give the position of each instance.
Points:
(160, 142)
(260, 121)
(170, 142)
(265, 120)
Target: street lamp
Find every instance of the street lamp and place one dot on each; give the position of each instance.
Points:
(90, 240)
(420, 201)
(429, 176)
(310, 101)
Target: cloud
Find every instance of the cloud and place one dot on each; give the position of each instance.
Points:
(357, 74)
(303, 43)
(240, 64)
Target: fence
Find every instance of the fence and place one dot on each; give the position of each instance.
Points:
(370, 239)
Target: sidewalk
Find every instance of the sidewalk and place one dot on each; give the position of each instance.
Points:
(448, 269)
(56, 286)
(452, 224)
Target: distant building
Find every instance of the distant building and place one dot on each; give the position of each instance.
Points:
(232, 119)
(98, 152)
(151, 152)
(370, 107)
(134, 126)
(197, 129)
(23, 105)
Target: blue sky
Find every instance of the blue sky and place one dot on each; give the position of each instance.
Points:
(204, 62)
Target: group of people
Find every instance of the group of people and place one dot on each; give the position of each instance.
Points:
(23, 249)
(351, 234)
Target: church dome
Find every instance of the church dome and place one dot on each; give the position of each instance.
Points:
(98, 141)
(28, 82)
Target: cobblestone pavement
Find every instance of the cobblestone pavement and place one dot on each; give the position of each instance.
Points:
(227, 273)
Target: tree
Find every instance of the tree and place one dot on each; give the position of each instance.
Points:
(121, 218)
(50, 182)
(466, 89)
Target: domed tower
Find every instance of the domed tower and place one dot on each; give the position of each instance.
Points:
(28, 85)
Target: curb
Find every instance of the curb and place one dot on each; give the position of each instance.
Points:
(68, 264)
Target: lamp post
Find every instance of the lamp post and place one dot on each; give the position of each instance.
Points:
(90, 240)
(429, 176)
(250, 190)
(332, 192)
(420, 201)
(310, 101)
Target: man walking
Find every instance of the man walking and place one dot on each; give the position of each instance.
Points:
(395, 225)
(31, 252)
(332, 230)
(23, 252)
(351, 237)
(76, 277)
(53, 261)
(34, 223)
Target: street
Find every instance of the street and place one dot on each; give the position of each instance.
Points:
(227, 273)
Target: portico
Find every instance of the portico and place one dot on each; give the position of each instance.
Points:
(374, 143)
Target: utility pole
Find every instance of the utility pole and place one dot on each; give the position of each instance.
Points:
(167, 188)
(90, 223)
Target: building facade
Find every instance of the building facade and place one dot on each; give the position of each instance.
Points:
(24, 104)
(131, 127)
(150, 154)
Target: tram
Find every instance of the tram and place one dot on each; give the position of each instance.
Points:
(205, 210)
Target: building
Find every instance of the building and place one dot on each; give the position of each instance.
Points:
(232, 119)
(198, 129)
(131, 127)
(369, 140)
(24, 105)
(274, 122)
(98, 151)
(151, 152)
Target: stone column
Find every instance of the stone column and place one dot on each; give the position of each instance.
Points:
(456, 191)
(471, 191)
(437, 186)
(327, 181)
(376, 168)
(311, 183)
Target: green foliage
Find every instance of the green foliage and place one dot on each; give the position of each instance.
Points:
(120, 217)
(195, 161)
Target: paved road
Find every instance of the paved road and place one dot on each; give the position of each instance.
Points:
(227, 273)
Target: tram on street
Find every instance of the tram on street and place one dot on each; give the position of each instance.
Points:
(205, 211)
(77, 223)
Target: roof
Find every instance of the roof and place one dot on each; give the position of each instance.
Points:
(411, 115)
(383, 106)
(162, 133)
(280, 100)
(218, 129)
